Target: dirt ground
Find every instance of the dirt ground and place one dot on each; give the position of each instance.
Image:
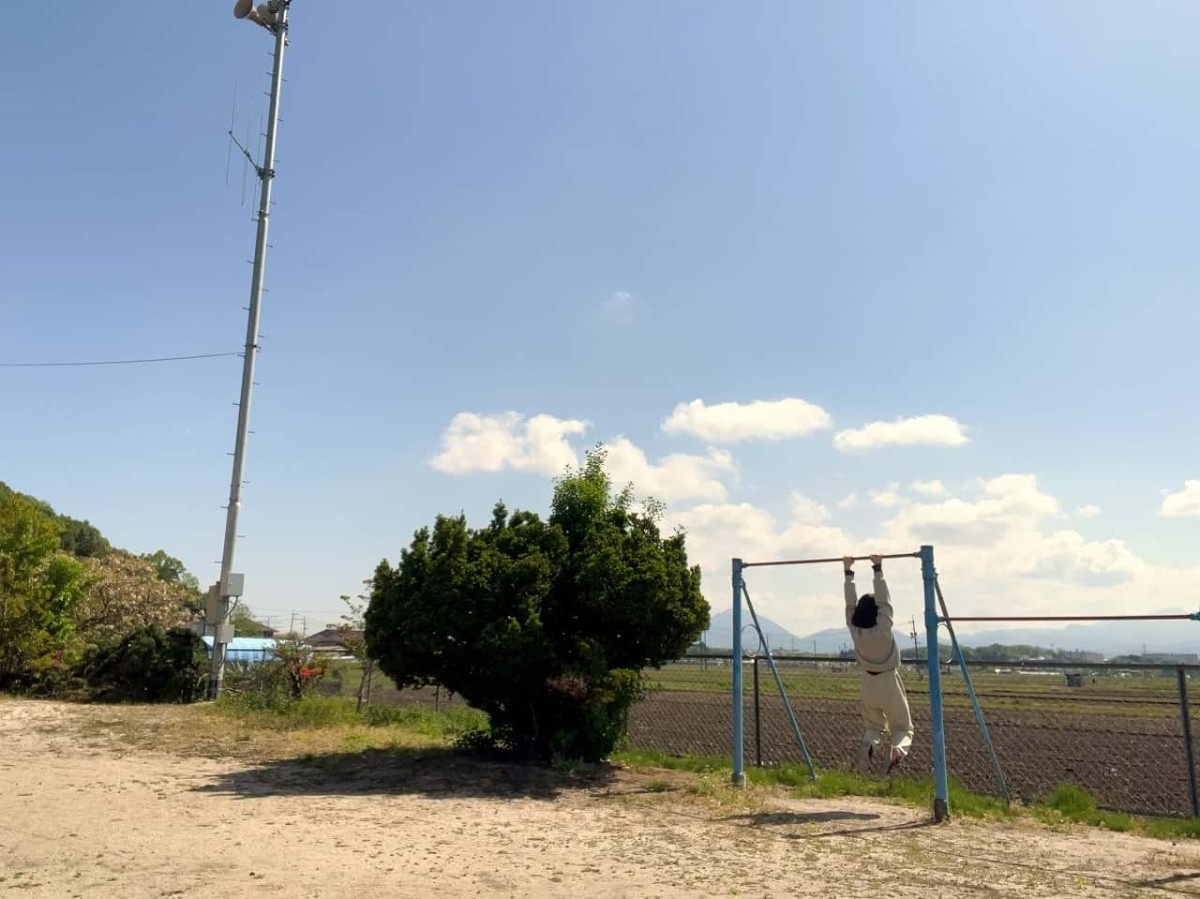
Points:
(88, 811)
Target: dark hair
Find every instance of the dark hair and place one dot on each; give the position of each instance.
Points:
(866, 612)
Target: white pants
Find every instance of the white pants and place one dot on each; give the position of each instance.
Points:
(885, 710)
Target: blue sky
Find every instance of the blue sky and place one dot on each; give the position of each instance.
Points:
(597, 213)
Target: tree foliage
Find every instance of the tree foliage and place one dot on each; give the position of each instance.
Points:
(82, 539)
(151, 664)
(77, 538)
(40, 588)
(354, 640)
(63, 588)
(126, 594)
(245, 624)
(544, 625)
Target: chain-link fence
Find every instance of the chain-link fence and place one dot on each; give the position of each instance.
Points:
(1117, 731)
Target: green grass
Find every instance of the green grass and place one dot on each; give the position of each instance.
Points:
(316, 712)
(1067, 803)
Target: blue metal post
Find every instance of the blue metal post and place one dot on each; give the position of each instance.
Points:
(941, 784)
(739, 772)
(1001, 784)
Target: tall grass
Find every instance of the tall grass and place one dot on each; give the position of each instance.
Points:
(276, 712)
(1066, 804)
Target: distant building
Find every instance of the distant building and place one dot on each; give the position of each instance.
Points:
(332, 640)
(245, 649)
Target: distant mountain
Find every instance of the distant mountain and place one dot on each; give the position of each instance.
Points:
(720, 632)
(833, 640)
(826, 642)
(1108, 637)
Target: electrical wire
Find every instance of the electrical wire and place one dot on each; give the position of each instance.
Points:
(116, 361)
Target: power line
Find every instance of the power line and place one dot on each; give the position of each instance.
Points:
(116, 361)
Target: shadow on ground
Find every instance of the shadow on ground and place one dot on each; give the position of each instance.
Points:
(1163, 883)
(766, 819)
(434, 772)
(846, 823)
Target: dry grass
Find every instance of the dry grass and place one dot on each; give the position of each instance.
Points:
(204, 730)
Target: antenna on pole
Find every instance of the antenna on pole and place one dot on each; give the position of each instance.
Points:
(273, 16)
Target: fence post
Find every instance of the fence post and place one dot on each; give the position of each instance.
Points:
(1189, 750)
(757, 719)
(941, 796)
(739, 773)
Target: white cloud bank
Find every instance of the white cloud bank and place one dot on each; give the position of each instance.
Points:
(759, 420)
(675, 477)
(922, 430)
(509, 440)
(1184, 503)
(1003, 547)
(1004, 544)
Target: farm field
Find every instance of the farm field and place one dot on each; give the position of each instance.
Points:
(1119, 737)
(139, 802)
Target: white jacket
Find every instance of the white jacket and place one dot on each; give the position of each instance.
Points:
(875, 647)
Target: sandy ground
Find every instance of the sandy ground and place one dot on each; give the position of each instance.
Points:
(85, 814)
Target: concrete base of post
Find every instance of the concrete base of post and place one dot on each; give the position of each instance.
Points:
(738, 781)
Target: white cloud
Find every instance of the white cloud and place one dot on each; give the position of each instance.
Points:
(718, 531)
(509, 440)
(758, 420)
(929, 488)
(922, 430)
(675, 477)
(998, 541)
(1001, 543)
(1184, 503)
(620, 307)
(807, 510)
(1005, 544)
(887, 498)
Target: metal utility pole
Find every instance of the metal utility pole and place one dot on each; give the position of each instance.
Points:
(273, 16)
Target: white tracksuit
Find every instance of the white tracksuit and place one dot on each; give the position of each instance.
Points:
(884, 704)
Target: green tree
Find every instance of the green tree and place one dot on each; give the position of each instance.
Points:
(126, 593)
(151, 664)
(40, 588)
(82, 539)
(244, 623)
(354, 640)
(544, 625)
(170, 570)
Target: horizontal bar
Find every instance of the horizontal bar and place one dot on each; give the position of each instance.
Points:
(825, 561)
(1194, 616)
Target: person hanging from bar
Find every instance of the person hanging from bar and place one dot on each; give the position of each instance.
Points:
(884, 703)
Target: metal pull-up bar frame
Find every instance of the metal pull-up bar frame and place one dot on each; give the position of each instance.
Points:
(1185, 616)
(916, 555)
(941, 802)
(936, 615)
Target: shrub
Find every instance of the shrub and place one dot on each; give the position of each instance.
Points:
(151, 665)
(544, 626)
